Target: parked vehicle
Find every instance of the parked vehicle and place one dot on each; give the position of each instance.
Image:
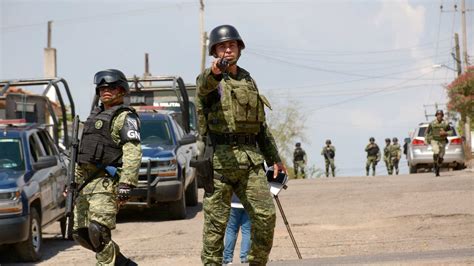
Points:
(165, 175)
(32, 167)
(420, 153)
(168, 144)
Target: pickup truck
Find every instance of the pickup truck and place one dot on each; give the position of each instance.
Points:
(32, 166)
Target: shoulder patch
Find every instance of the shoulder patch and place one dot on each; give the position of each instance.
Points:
(131, 129)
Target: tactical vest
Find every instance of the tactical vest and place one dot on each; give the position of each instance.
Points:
(436, 129)
(394, 149)
(373, 151)
(97, 146)
(239, 108)
(386, 151)
(298, 155)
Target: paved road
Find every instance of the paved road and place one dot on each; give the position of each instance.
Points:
(387, 219)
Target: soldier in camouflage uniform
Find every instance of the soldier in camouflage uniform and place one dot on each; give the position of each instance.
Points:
(436, 135)
(231, 111)
(395, 155)
(329, 152)
(386, 156)
(373, 156)
(299, 160)
(109, 158)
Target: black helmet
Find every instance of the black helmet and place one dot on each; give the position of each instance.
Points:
(371, 139)
(224, 33)
(110, 77)
(298, 144)
(387, 140)
(395, 139)
(328, 141)
(439, 112)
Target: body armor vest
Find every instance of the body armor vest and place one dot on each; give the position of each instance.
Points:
(436, 130)
(97, 146)
(386, 151)
(240, 108)
(394, 150)
(298, 155)
(373, 151)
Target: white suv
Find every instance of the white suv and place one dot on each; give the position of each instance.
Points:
(420, 153)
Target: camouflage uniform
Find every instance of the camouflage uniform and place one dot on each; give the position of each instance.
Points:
(232, 105)
(387, 159)
(438, 141)
(373, 157)
(395, 155)
(299, 161)
(329, 152)
(97, 201)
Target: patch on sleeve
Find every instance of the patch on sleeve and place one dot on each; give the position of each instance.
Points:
(131, 129)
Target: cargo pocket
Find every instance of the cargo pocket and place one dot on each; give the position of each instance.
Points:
(240, 100)
(252, 112)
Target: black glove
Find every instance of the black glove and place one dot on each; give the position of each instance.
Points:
(124, 191)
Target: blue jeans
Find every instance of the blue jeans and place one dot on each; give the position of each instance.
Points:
(238, 218)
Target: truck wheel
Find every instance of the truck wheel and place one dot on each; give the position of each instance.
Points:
(192, 193)
(413, 169)
(29, 250)
(62, 223)
(177, 209)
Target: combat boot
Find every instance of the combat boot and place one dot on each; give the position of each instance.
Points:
(121, 260)
(396, 171)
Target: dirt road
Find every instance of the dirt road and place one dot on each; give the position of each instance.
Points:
(347, 218)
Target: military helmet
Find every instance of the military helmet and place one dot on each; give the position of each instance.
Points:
(298, 144)
(110, 77)
(372, 139)
(387, 140)
(328, 141)
(224, 33)
(439, 112)
(395, 139)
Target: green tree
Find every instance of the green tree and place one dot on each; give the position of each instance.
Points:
(461, 95)
(287, 124)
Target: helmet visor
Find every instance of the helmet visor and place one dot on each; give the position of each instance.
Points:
(108, 77)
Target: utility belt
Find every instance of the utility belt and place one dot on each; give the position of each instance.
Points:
(234, 139)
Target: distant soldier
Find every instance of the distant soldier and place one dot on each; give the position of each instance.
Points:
(299, 160)
(329, 152)
(395, 155)
(386, 156)
(373, 156)
(436, 135)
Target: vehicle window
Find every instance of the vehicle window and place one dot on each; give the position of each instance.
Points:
(46, 143)
(174, 106)
(34, 148)
(179, 129)
(156, 131)
(422, 131)
(11, 154)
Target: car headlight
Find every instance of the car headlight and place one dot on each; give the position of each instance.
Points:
(10, 202)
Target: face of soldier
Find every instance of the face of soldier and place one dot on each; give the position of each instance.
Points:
(111, 96)
(229, 50)
(439, 116)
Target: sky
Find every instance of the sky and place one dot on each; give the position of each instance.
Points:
(354, 69)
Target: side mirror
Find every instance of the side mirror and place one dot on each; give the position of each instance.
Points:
(45, 162)
(187, 139)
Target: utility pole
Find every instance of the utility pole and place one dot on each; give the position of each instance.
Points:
(458, 54)
(203, 36)
(147, 66)
(49, 55)
(464, 35)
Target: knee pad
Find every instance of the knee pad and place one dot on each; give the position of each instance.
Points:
(99, 235)
(81, 236)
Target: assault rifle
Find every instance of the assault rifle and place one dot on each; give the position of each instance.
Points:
(204, 167)
(328, 153)
(71, 189)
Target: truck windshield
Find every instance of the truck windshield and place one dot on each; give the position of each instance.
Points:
(11, 155)
(156, 132)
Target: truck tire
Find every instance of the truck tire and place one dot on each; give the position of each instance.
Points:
(30, 249)
(413, 169)
(177, 209)
(192, 193)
